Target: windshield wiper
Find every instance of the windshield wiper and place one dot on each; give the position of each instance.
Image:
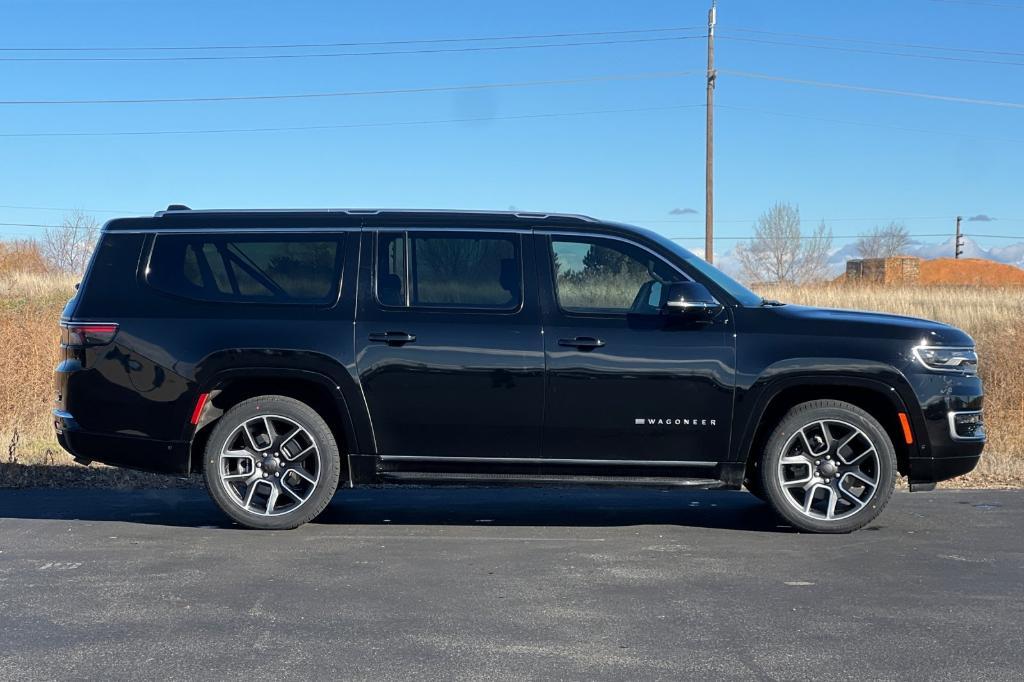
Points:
(771, 302)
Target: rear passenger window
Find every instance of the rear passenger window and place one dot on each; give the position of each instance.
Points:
(449, 270)
(303, 269)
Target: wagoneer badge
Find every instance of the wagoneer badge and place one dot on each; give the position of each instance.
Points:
(673, 421)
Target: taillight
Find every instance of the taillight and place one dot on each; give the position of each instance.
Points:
(82, 334)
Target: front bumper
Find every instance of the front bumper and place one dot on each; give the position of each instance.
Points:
(945, 451)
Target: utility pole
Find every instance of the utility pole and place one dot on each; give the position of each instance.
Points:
(959, 239)
(709, 161)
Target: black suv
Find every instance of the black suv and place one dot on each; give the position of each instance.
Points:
(285, 353)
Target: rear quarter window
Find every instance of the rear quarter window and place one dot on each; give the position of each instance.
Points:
(295, 269)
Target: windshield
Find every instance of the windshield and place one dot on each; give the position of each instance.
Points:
(743, 295)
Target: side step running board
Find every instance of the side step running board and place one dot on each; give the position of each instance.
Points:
(544, 479)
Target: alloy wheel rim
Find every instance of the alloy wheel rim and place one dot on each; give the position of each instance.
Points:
(829, 470)
(270, 465)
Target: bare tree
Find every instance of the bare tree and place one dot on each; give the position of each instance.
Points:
(69, 246)
(816, 249)
(884, 242)
(22, 255)
(781, 253)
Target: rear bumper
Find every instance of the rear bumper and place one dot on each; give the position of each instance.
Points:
(147, 454)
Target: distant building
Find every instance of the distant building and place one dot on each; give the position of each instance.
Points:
(895, 270)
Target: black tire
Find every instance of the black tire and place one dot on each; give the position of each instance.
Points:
(320, 466)
(819, 454)
(755, 486)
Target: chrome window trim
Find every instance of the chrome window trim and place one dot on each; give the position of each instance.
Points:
(237, 230)
(951, 416)
(427, 228)
(543, 460)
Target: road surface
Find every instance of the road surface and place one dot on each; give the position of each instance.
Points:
(508, 584)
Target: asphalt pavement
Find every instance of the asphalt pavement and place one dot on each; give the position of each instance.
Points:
(517, 584)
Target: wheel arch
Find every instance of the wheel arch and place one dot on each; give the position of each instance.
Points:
(319, 391)
(879, 399)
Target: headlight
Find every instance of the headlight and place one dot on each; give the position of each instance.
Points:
(948, 358)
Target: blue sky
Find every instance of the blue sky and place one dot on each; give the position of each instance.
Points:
(771, 141)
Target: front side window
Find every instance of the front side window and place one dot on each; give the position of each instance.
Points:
(303, 269)
(606, 276)
(449, 270)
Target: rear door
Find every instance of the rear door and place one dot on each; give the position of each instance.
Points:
(448, 342)
(627, 384)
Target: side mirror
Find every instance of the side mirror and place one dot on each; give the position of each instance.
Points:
(689, 298)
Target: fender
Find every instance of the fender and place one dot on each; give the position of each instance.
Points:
(752, 401)
(355, 422)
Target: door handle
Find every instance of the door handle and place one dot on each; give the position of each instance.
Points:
(392, 338)
(582, 342)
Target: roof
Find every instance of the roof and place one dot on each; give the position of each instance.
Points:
(182, 217)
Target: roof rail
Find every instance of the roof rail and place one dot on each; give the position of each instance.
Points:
(526, 215)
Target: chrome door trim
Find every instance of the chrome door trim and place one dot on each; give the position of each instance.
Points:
(543, 460)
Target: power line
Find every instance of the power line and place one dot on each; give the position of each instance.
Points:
(78, 208)
(981, 3)
(379, 43)
(680, 238)
(875, 90)
(477, 119)
(828, 220)
(948, 133)
(335, 126)
(848, 236)
(801, 237)
(320, 55)
(916, 46)
(357, 93)
(861, 50)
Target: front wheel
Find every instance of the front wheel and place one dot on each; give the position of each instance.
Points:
(829, 467)
(272, 463)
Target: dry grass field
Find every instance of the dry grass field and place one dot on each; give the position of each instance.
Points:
(994, 316)
(30, 305)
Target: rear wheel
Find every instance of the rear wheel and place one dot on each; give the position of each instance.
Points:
(829, 467)
(272, 463)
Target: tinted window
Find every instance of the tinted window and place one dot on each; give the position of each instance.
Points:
(743, 295)
(391, 269)
(449, 269)
(594, 275)
(272, 268)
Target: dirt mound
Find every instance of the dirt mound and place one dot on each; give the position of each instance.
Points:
(975, 271)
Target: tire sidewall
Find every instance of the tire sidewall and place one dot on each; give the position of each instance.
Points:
(805, 414)
(307, 417)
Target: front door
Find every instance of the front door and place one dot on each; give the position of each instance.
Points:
(448, 343)
(625, 382)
